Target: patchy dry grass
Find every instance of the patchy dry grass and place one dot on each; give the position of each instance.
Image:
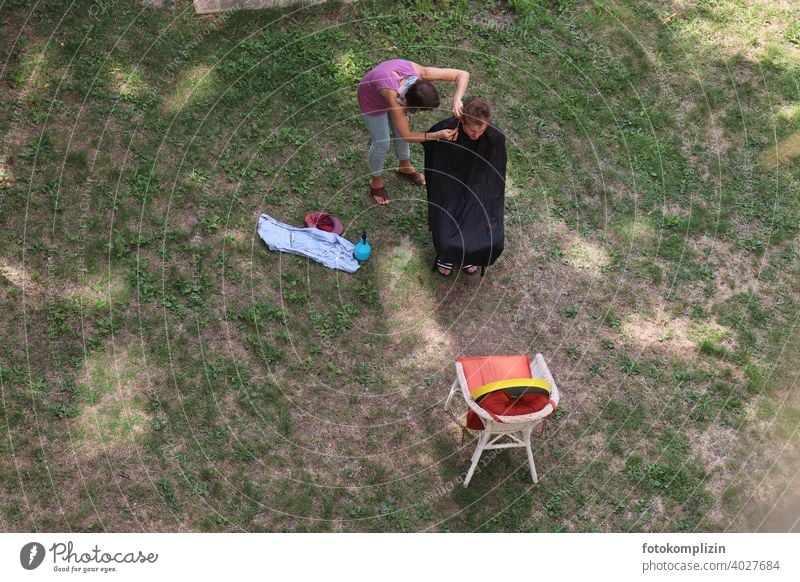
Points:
(164, 371)
(114, 385)
(781, 153)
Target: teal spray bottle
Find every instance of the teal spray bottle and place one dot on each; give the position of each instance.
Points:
(363, 248)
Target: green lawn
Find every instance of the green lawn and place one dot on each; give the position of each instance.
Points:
(161, 370)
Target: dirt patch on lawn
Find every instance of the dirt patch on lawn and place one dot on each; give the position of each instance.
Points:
(115, 384)
(736, 271)
(660, 333)
(17, 275)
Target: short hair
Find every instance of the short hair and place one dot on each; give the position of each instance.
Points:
(421, 95)
(477, 108)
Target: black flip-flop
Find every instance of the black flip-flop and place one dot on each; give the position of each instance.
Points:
(442, 265)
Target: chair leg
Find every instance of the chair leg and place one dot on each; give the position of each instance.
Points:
(453, 390)
(526, 435)
(484, 438)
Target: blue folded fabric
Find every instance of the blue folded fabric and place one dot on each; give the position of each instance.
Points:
(323, 247)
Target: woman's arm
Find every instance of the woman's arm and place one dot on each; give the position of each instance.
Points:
(460, 77)
(400, 120)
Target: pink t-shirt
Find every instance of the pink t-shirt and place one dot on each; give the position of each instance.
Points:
(370, 101)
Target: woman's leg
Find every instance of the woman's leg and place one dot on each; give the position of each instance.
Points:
(403, 151)
(401, 146)
(378, 127)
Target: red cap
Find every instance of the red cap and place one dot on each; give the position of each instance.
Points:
(324, 221)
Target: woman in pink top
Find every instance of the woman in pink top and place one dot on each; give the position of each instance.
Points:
(386, 95)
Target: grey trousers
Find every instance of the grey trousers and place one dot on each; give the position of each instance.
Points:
(383, 132)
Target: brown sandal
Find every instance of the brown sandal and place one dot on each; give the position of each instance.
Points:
(379, 196)
(414, 177)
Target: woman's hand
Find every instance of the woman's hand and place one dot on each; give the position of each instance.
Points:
(460, 77)
(458, 108)
(447, 134)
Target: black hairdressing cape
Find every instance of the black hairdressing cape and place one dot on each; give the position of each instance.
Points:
(466, 182)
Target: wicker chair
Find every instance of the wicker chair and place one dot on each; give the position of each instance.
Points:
(502, 432)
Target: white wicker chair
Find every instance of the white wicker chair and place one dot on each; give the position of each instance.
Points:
(505, 432)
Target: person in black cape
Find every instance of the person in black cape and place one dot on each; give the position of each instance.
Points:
(465, 180)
